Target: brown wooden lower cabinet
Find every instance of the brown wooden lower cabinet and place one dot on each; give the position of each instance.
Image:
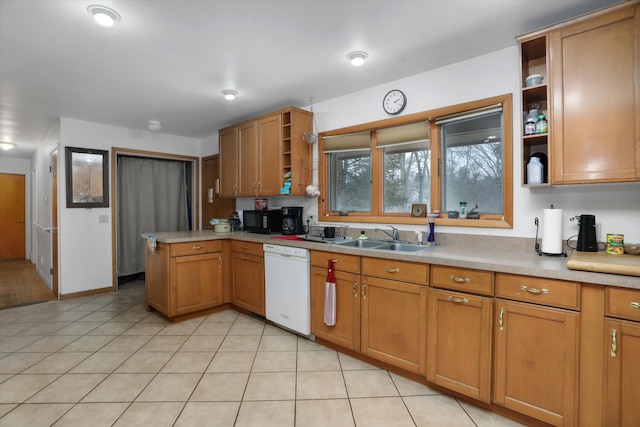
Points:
(247, 282)
(346, 331)
(536, 361)
(394, 322)
(622, 373)
(621, 403)
(184, 278)
(459, 342)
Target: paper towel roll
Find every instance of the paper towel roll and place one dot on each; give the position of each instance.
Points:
(552, 231)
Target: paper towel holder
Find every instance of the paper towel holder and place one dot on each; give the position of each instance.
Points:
(537, 245)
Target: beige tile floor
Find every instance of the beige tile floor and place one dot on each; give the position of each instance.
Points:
(104, 361)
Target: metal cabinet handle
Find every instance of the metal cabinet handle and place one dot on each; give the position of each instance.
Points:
(245, 247)
(634, 304)
(355, 289)
(460, 279)
(454, 299)
(245, 257)
(500, 322)
(335, 261)
(392, 270)
(219, 261)
(235, 188)
(197, 248)
(364, 286)
(259, 188)
(535, 291)
(614, 343)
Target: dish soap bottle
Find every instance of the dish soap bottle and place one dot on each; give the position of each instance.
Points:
(362, 235)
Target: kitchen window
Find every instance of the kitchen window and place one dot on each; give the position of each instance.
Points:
(374, 172)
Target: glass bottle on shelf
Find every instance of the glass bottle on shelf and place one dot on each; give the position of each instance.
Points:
(542, 126)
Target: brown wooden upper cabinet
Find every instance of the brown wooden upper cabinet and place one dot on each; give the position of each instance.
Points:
(257, 156)
(593, 97)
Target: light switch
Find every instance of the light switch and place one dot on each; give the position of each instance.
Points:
(103, 219)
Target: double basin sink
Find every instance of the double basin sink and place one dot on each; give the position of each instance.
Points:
(384, 246)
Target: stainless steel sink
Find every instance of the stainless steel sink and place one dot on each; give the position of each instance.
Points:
(402, 247)
(361, 244)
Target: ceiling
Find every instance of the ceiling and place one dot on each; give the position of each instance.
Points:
(169, 60)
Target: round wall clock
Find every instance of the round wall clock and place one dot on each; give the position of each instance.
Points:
(394, 102)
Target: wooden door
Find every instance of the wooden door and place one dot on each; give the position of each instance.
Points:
(459, 343)
(622, 376)
(247, 283)
(595, 91)
(346, 331)
(248, 159)
(536, 361)
(213, 206)
(228, 148)
(394, 322)
(12, 215)
(195, 283)
(271, 173)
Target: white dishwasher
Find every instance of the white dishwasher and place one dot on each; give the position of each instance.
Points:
(287, 290)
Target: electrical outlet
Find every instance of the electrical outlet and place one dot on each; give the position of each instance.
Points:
(309, 218)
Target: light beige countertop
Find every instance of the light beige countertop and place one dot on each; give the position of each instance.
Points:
(525, 262)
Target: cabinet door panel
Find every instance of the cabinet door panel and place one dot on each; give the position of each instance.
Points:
(228, 142)
(196, 283)
(271, 175)
(595, 91)
(459, 343)
(536, 361)
(346, 331)
(248, 159)
(622, 376)
(394, 322)
(247, 290)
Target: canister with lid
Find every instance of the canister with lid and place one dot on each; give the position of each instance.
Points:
(535, 171)
(463, 209)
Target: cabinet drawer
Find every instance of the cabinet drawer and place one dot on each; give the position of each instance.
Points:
(397, 270)
(249, 248)
(341, 262)
(463, 279)
(558, 293)
(622, 303)
(194, 248)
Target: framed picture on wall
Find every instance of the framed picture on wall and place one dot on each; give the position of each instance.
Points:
(87, 176)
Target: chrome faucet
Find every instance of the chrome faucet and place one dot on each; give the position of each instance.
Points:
(396, 233)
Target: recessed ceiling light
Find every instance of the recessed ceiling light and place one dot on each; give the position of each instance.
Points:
(229, 94)
(103, 15)
(357, 58)
(6, 146)
(154, 125)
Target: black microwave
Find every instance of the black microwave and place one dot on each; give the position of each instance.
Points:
(264, 222)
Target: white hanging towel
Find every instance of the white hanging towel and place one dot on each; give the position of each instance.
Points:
(330, 297)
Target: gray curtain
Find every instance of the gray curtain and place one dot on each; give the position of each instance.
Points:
(152, 197)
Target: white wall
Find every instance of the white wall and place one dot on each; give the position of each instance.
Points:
(19, 166)
(616, 206)
(85, 243)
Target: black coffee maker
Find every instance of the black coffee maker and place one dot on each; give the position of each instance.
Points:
(587, 234)
(292, 220)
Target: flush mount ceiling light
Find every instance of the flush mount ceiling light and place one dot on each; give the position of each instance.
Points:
(229, 94)
(6, 146)
(357, 58)
(103, 15)
(154, 125)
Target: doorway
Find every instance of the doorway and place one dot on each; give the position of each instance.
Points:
(164, 174)
(12, 212)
